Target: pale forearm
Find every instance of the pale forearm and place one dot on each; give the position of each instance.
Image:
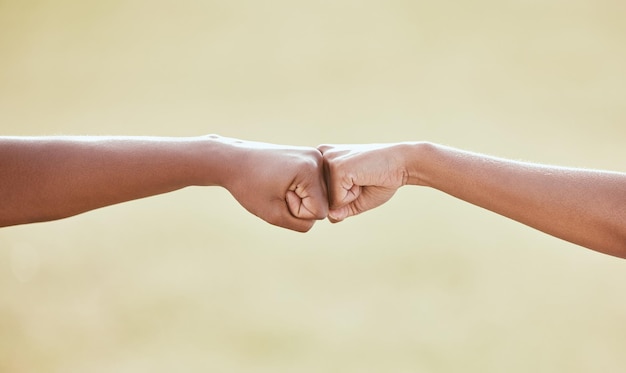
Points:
(585, 207)
(50, 178)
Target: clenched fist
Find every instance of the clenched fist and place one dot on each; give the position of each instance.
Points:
(283, 185)
(361, 177)
(49, 178)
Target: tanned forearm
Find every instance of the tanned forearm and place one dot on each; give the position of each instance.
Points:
(50, 178)
(586, 207)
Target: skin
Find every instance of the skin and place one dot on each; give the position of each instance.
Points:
(49, 178)
(585, 207)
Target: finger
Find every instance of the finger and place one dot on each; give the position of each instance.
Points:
(294, 203)
(307, 197)
(298, 225)
(337, 215)
(308, 207)
(331, 175)
(300, 209)
(308, 202)
(285, 217)
(340, 187)
(317, 201)
(323, 148)
(343, 193)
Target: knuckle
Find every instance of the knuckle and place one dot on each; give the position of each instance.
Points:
(321, 212)
(324, 148)
(334, 166)
(313, 161)
(315, 155)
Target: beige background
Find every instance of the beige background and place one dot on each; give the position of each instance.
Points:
(191, 282)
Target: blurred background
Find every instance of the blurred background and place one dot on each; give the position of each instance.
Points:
(189, 281)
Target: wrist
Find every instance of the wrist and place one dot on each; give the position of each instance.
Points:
(417, 159)
(216, 159)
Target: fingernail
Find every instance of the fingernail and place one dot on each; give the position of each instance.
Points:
(335, 215)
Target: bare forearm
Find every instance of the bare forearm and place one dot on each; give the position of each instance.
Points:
(54, 177)
(51, 178)
(585, 207)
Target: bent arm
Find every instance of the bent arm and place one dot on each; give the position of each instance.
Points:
(586, 207)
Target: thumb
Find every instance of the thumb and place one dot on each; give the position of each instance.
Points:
(286, 216)
(337, 215)
(310, 206)
(294, 202)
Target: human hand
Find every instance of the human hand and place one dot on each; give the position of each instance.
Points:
(283, 185)
(361, 177)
